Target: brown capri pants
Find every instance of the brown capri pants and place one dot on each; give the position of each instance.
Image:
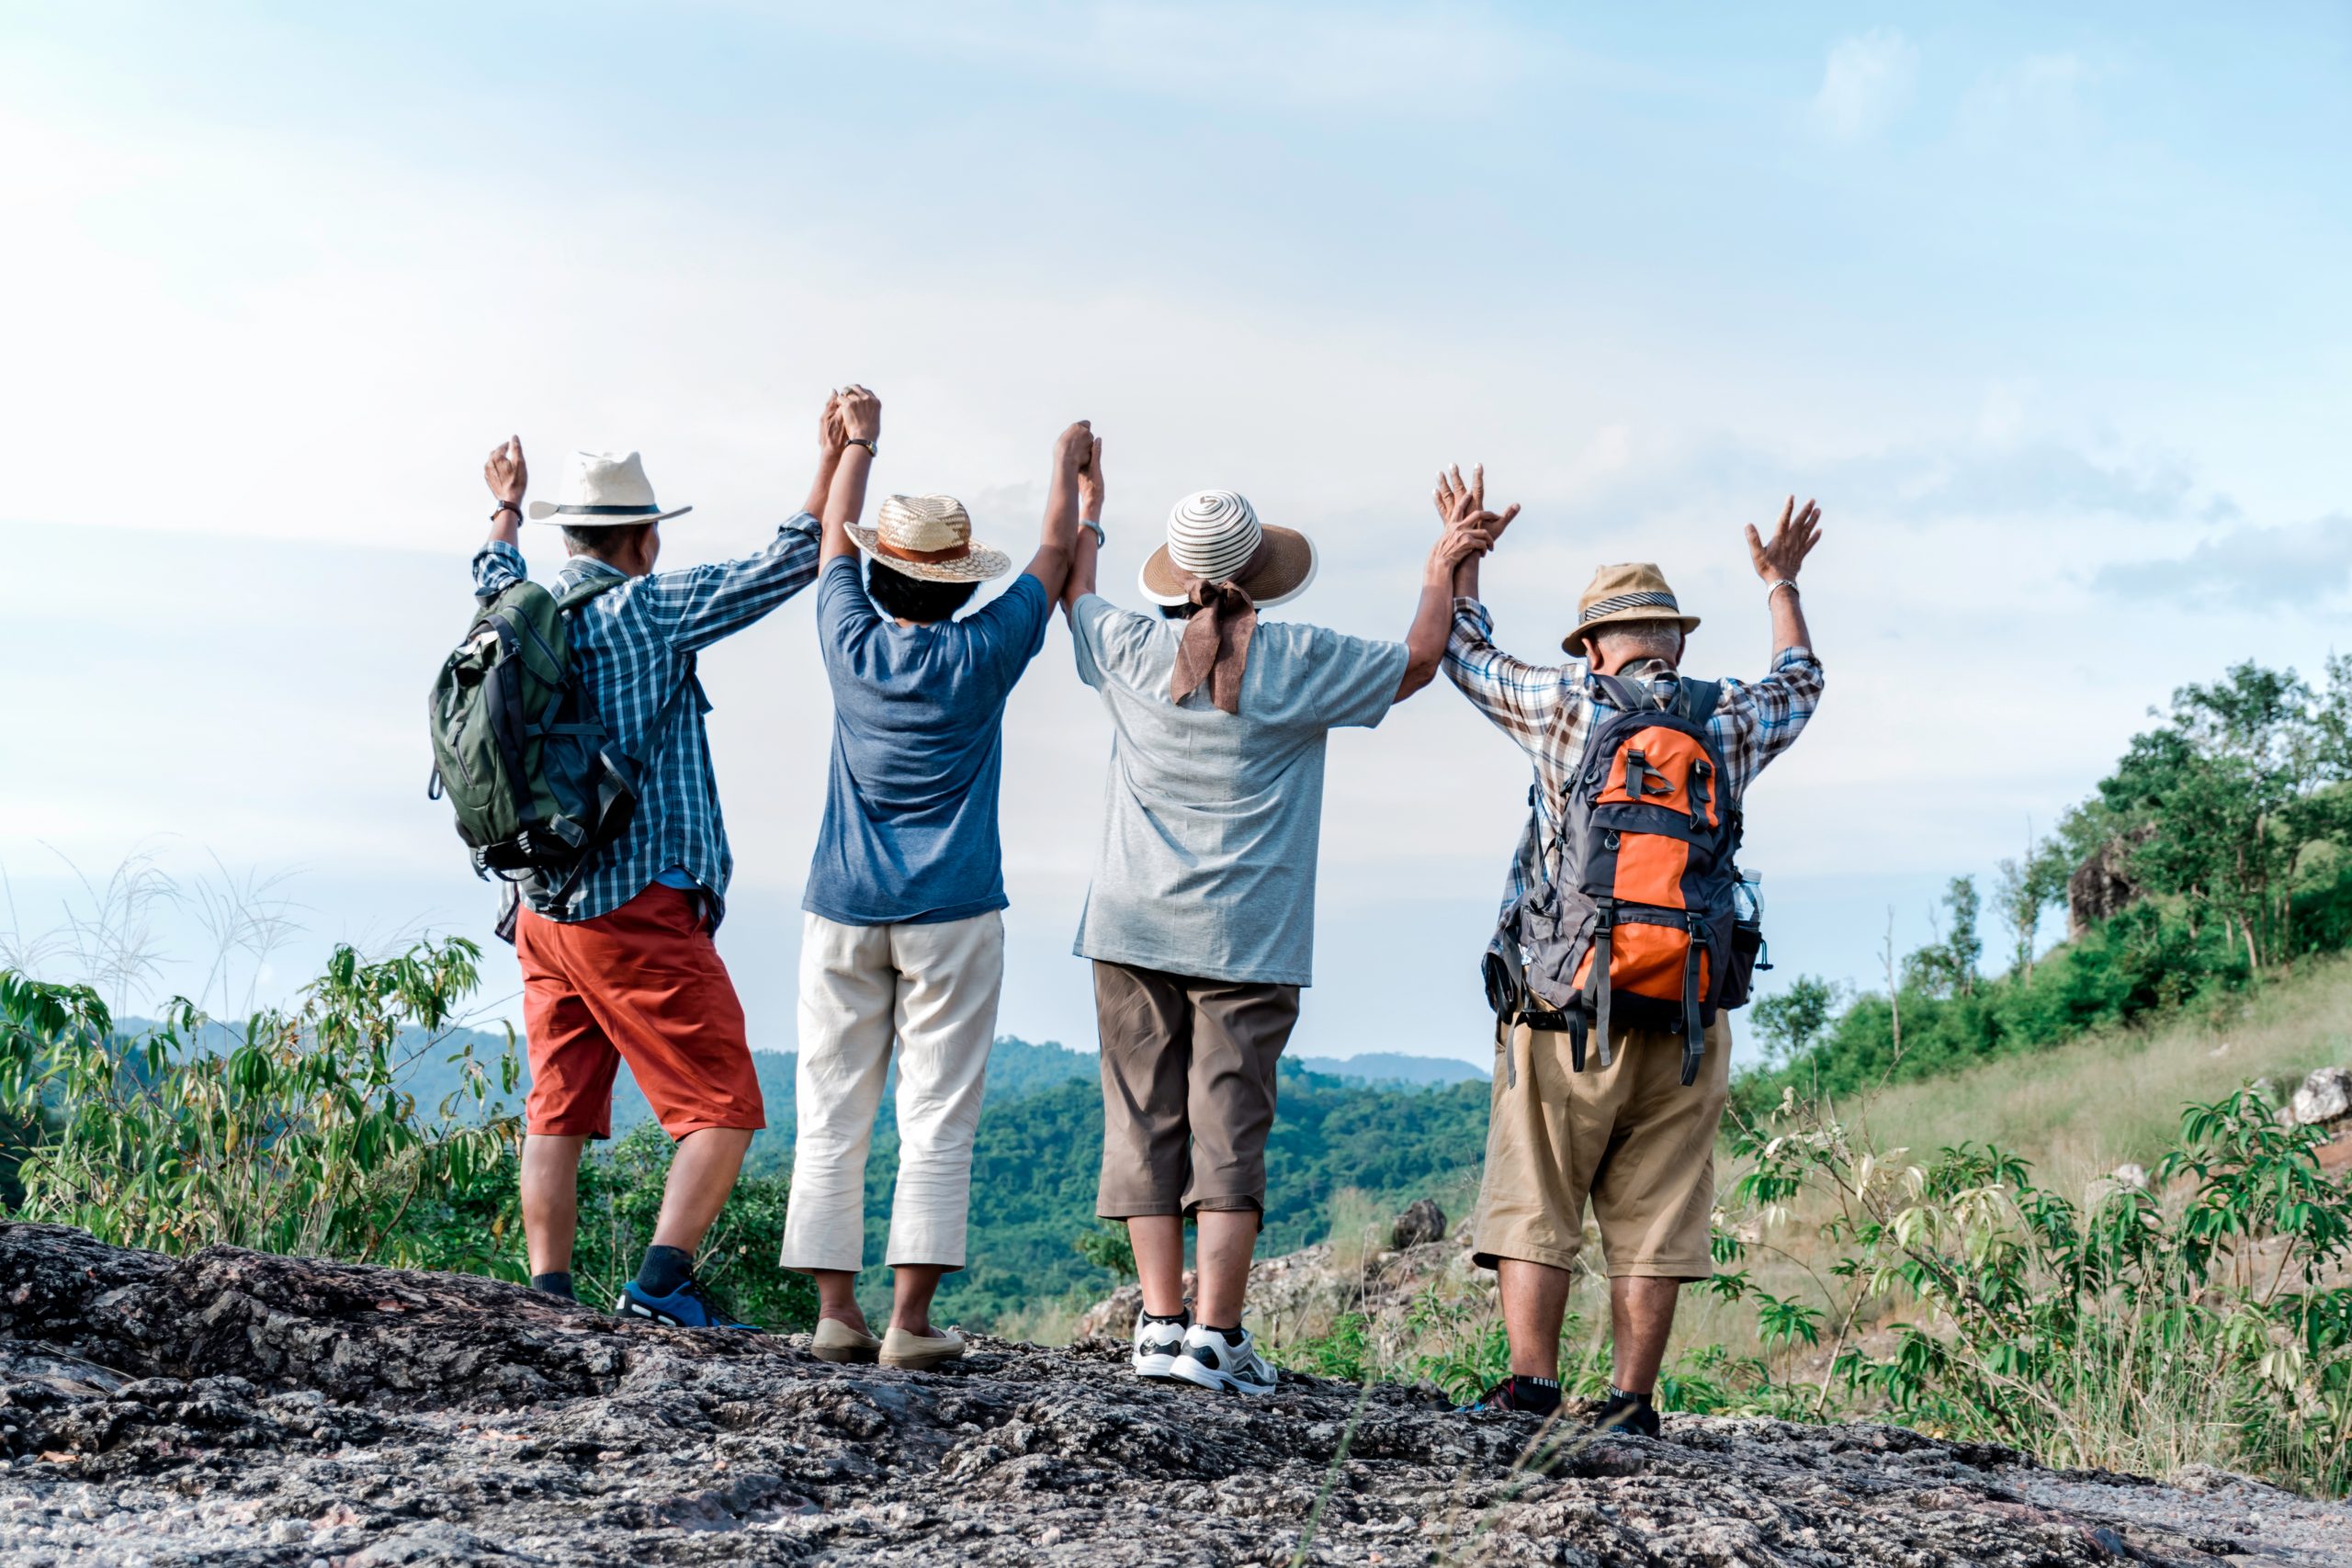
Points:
(1187, 1089)
(1629, 1137)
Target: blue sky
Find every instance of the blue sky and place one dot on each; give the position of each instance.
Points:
(2047, 310)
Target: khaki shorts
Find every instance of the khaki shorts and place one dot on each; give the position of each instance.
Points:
(1187, 1089)
(1628, 1137)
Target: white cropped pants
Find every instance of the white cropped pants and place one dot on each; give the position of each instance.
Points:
(931, 989)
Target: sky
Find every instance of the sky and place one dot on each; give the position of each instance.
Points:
(2047, 309)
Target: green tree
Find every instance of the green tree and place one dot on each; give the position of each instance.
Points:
(1792, 1019)
(2027, 887)
(1948, 967)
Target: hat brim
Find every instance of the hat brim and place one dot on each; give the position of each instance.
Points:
(1284, 567)
(1573, 645)
(545, 512)
(980, 565)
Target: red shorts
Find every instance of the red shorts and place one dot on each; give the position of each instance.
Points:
(642, 985)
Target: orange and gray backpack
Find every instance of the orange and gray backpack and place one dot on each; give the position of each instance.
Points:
(1639, 918)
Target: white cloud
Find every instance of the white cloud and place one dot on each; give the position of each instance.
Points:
(1866, 83)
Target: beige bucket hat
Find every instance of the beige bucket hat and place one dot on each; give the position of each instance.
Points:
(929, 537)
(1633, 591)
(603, 489)
(1214, 534)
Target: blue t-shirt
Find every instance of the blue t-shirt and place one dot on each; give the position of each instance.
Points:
(911, 832)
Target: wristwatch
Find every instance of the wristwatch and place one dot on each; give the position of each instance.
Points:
(504, 507)
(871, 449)
(1101, 538)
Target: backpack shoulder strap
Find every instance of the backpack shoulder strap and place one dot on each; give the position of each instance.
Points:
(1697, 699)
(579, 593)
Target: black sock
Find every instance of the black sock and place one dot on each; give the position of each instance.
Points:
(664, 1270)
(1616, 1393)
(1185, 1317)
(556, 1284)
(1539, 1396)
(1232, 1335)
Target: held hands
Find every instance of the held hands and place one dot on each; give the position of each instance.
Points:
(1793, 540)
(830, 436)
(506, 473)
(1469, 528)
(1079, 453)
(860, 412)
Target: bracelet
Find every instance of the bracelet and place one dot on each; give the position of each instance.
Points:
(871, 449)
(1779, 582)
(1101, 538)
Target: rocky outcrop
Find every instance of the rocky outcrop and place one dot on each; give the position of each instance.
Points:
(232, 1407)
(2103, 884)
(2323, 1099)
(1421, 1223)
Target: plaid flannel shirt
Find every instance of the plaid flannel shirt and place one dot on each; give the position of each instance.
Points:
(1549, 708)
(634, 645)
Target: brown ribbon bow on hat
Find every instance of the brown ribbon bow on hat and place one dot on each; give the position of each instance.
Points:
(1215, 647)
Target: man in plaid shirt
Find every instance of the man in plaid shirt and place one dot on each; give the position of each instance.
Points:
(630, 971)
(1628, 1137)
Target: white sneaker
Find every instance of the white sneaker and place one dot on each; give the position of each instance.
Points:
(1157, 1344)
(1212, 1361)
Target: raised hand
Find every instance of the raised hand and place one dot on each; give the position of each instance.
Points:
(861, 413)
(506, 473)
(1089, 482)
(1461, 502)
(830, 436)
(1073, 447)
(1793, 540)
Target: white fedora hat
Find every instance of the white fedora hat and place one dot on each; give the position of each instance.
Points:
(929, 537)
(1214, 534)
(603, 489)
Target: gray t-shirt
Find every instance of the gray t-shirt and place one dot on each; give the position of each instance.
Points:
(1207, 866)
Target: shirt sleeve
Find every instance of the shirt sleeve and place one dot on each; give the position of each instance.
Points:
(1108, 641)
(845, 613)
(498, 566)
(1011, 628)
(1755, 723)
(1352, 680)
(695, 607)
(1522, 699)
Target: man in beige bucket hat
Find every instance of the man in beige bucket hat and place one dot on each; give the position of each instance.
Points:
(1200, 918)
(902, 941)
(1627, 1135)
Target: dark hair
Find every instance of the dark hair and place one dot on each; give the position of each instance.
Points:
(918, 599)
(604, 543)
(1183, 612)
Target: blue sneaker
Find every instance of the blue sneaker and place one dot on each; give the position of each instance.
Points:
(688, 1306)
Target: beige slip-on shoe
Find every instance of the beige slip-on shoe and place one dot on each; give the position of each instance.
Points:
(837, 1341)
(920, 1352)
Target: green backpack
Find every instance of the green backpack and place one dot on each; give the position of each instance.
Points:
(539, 784)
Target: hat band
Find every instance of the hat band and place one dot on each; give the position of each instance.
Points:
(883, 546)
(606, 511)
(1617, 602)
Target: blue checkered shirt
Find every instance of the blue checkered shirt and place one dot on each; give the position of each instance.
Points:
(634, 647)
(1549, 708)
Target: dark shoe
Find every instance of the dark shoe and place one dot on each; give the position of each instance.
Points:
(1627, 1413)
(688, 1306)
(1522, 1395)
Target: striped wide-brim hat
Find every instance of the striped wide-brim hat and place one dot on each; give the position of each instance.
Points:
(1635, 592)
(1214, 535)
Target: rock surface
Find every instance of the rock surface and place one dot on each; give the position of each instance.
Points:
(1421, 1223)
(2322, 1098)
(232, 1407)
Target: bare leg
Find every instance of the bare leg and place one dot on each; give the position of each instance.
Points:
(1536, 1299)
(702, 1174)
(1228, 1236)
(911, 1287)
(1641, 1318)
(837, 1297)
(551, 1186)
(1158, 1243)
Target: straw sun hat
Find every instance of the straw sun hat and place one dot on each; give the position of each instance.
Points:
(929, 537)
(1635, 592)
(603, 489)
(1216, 537)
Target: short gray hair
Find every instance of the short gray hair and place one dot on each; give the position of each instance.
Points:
(1640, 639)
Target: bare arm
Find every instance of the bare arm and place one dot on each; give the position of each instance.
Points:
(859, 414)
(1469, 533)
(1074, 451)
(1084, 547)
(508, 478)
(1778, 562)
